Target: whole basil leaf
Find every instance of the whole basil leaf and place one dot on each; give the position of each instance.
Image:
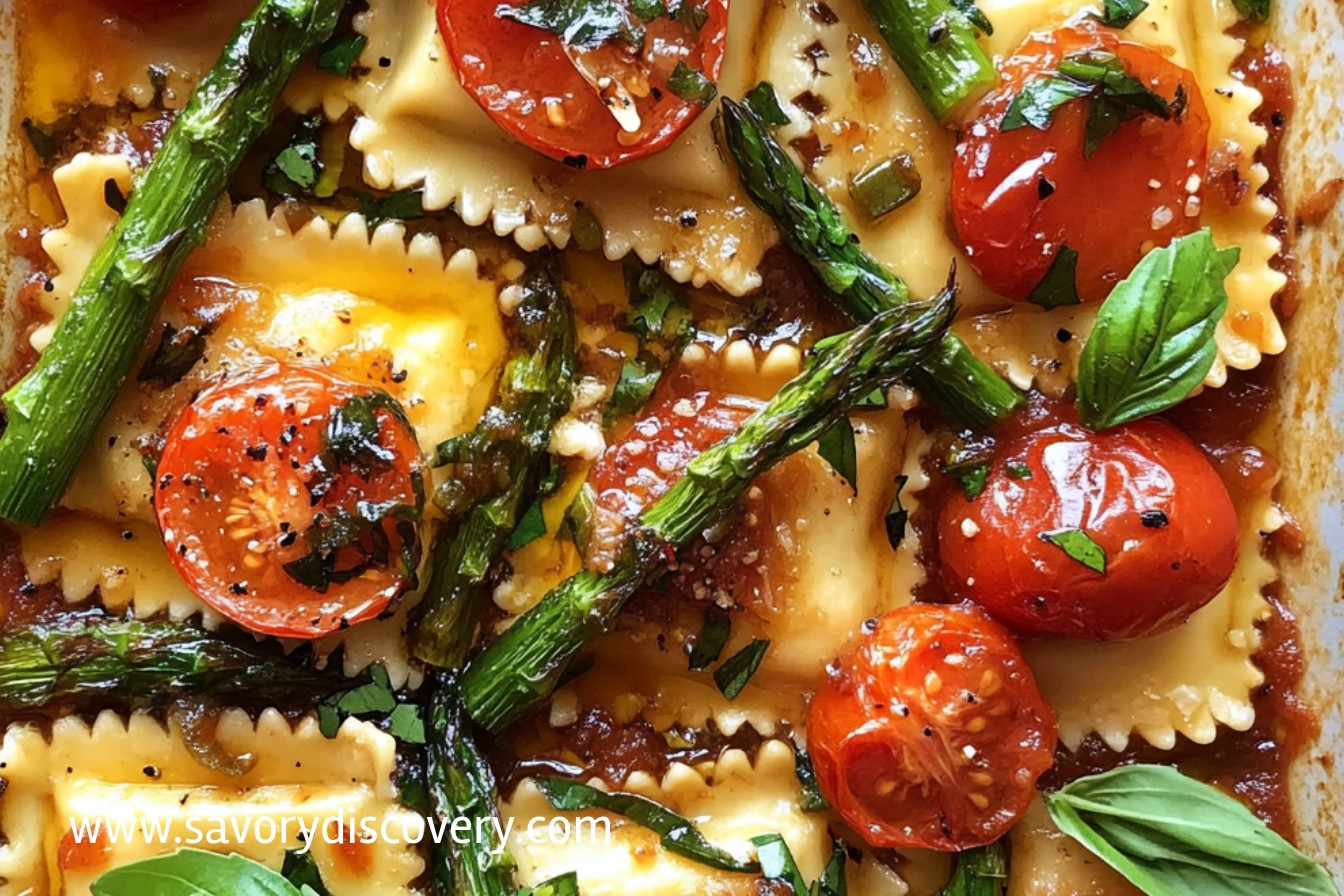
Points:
(1171, 835)
(193, 872)
(1153, 340)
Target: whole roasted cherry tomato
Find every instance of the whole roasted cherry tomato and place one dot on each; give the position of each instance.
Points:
(288, 500)
(1107, 536)
(591, 93)
(932, 732)
(677, 425)
(1020, 195)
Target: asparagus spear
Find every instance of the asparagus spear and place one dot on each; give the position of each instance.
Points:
(951, 378)
(500, 466)
(84, 665)
(520, 668)
(53, 411)
(461, 785)
(933, 42)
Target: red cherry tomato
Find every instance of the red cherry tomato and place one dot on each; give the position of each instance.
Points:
(1143, 493)
(637, 470)
(1017, 196)
(932, 732)
(282, 511)
(551, 97)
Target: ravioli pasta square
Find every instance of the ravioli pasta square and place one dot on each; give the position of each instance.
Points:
(674, 312)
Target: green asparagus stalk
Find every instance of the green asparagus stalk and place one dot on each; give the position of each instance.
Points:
(957, 383)
(88, 665)
(500, 465)
(979, 872)
(53, 411)
(462, 785)
(933, 42)
(521, 668)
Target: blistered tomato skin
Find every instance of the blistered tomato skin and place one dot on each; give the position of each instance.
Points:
(246, 488)
(1143, 492)
(1019, 195)
(677, 426)
(530, 85)
(931, 732)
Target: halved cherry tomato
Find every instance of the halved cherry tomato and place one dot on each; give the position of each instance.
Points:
(1019, 195)
(559, 99)
(288, 499)
(1143, 493)
(677, 425)
(932, 732)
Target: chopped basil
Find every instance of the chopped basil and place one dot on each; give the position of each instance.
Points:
(531, 526)
(566, 884)
(778, 864)
(373, 696)
(404, 205)
(295, 170)
(339, 53)
(585, 24)
(1119, 13)
(690, 13)
(1152, 343)
(662, 322)
(639, 377)
(979, 872)
(44, 144)
(975, 15)
(647, 10)
(301, 870)
(836, 447)
(1114, 97)
(677, 834)
(709, 643)
(658, 309)
(194, 872)
(734, 673)
(874, 400)
(1253, 10)
(765, 103)
(586, 230)
(407, 724)
(177, 352)
(886, 186)
(972, 480)
(1059, 285)
(579, 518)
(1079, 546)
(354, 432)
(691, 85)
(897, 516)
(317, 568)
(812, 801)
(1018, 470)
(1170, 835)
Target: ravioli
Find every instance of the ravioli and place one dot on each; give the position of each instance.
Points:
(426, 323)
(131, 769)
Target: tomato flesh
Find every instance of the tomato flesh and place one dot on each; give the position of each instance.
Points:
(1143, 492)
(247, 487)
(931, 732)
(531, 85)
(677, 425)
(1019, 195)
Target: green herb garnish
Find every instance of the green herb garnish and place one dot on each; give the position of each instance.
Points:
(732, 676)
(1153, 340)
(1079, 546)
